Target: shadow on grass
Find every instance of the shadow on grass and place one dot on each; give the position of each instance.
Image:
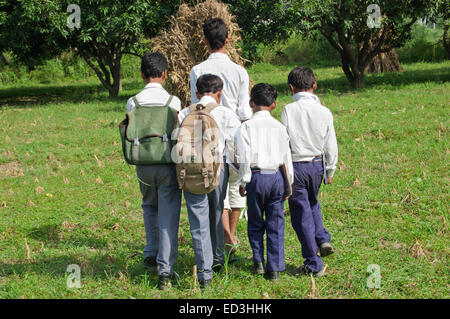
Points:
(31, 96)
(54, 236)
(98, 266)
(392, 79)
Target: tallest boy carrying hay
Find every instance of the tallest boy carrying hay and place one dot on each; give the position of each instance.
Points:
(234, 96)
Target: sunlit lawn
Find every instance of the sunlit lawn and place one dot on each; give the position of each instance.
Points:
(67, 196)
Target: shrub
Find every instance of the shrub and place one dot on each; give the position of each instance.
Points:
(424, 46)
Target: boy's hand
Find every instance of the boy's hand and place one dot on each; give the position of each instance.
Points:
(242, 191)
(330, 179)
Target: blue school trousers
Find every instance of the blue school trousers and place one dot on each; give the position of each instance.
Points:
(306, 215)
(265, 199)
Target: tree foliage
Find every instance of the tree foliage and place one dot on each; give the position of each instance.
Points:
(34, 30)
(262, 22)
(440, 12)
(348, 26)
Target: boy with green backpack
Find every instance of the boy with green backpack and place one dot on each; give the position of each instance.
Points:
(146, 142)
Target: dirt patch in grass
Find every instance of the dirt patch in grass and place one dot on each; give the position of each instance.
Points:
(11, 169)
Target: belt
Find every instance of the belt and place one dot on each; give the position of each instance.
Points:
(257, 169)
(315, 159)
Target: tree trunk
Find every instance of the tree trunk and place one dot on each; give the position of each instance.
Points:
(445, 41)
(115, 88)
(117, 81)
(384, 62)
(105, 71)
(355, 77)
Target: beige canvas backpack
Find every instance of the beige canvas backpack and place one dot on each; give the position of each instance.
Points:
(199, 162)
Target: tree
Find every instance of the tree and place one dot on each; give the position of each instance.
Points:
(262, 22)
(441, 13)
(108, 29)
(358, 31)
(27, 29)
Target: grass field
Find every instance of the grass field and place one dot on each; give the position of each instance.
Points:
(67, 196)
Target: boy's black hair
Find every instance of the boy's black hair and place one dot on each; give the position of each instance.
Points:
(209, 83)
(215, 31)
(263, 94)
(153, 64)
(302, 78)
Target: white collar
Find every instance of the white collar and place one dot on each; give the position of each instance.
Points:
(305, 95)
(218, 55)
(153, 85)
(206, 99)
(263, 113)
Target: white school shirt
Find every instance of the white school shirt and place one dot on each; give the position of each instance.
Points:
(227, 121)
(262, 142)
(235, 79)
(311, 130)
(154, 94)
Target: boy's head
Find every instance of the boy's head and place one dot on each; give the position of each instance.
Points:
(209, 84)
(263, 96)
(154, 66)
(216, 33)
(302, 79)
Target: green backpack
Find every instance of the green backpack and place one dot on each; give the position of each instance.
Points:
(146, 134)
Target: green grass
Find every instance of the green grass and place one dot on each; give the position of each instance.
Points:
(65, 189)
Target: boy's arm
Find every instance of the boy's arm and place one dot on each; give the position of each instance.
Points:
(242, 143)
(284, 120)
(331, 149)
(244, 110)
(233, 126)
(130, 105)
(288, 162)
(193, 85)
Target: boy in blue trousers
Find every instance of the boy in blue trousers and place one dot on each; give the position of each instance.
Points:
(265, 176)
(314, 155)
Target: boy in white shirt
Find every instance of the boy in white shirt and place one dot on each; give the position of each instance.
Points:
(262, 149)
(314, 153)
(235, 77)
(205, 211)
(161, 197)
(234, 96)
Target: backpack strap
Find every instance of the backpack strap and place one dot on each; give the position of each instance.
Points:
(169, 100)
(136, 104)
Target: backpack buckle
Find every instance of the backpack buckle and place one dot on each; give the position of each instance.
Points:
(205, 177)
(136, 142)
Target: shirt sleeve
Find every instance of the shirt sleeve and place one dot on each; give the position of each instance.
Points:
(193, 84)
(182, 114)
(242, 143)
(331, 149)
(287, 161)
(176, 103)
(284, 120)
(130, 105)
(244, 110)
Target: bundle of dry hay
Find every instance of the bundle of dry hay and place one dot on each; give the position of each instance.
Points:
(182, 43)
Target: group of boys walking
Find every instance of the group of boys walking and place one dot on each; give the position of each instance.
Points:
(273, 161)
